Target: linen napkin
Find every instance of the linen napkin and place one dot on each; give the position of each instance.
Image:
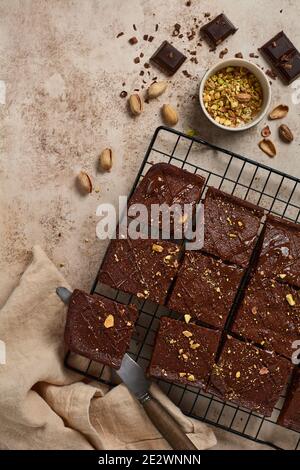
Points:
(45, 406)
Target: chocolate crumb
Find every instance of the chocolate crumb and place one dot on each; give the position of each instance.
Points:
(150, 39)
(253, 55)
(186, 74)
(176, 30)
(136, 89)
(120, 34)
(142, 73)
(133, 40)
(124, 83)
(156, 27)
(136, 60)
(145, 37)
(223, 52)
(271, 74)
(147, 65)
(239, 55)
(206, 15)
(134, 27)
(141, 54)
(188, 3)
(180, 36)
(123, 94)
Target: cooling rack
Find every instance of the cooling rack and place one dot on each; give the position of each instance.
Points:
(275, 191)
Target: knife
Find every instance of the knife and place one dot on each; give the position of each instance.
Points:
(134, 378)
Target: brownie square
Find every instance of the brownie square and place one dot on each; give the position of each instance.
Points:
(231, 226)
(290, 413)
(249, 376)
(143, 267)
(280, 252)
(184, 353)
(168, 58)
(99, 328)
(168, 184)
(266, 316)
(217, 30)
(205, 288)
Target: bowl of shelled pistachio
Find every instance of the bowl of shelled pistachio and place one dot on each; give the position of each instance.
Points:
(235, 94)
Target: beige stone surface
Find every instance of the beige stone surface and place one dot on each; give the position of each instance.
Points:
(63, 68)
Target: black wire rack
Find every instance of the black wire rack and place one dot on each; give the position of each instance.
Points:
(273, 190)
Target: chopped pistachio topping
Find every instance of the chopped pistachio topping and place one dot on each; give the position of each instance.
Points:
(187, 334)
(290, 300)
(109, 321)
(187, 317)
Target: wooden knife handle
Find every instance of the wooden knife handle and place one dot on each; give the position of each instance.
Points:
(167, 425)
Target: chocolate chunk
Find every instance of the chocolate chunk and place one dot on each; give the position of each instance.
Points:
(143, 267)
(223, 52)
(217, 30)
(184, 353)
(168, 184)
(280, 252)
(249, 376)
(136, 60)
(290, 413)
(231, 227)
(239, 55)
(168, 58)
(133, 40)
(266, 317)
(205, 288)
(99, 328)
(283, 56)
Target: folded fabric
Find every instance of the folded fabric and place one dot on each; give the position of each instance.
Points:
(45, 406)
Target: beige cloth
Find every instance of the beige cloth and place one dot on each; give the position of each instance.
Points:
(45, 406)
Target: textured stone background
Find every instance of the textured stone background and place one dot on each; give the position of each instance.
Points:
(64, 67)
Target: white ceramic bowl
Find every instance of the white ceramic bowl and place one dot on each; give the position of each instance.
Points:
(263, 80)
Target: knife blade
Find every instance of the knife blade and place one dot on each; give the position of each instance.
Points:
(133, 376)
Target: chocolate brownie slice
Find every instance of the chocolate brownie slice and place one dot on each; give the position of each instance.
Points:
(249, 376)
(269, 315)
(231, 227)
(168, 184)
(205, 288)
(183, 353)
(280, 252)
(290, 413)
(99, 328)
(142, 267)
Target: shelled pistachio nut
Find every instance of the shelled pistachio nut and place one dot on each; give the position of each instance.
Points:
(136, 104)
(106, 159)
(169, 115)
(84, 182)
(156, 89)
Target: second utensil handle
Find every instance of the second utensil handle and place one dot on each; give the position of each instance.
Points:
(167, 425)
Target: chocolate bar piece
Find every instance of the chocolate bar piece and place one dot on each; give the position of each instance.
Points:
(168, 184)
(283, 56)
(145, 268)
(280, 253)
(249, 376)
(99, 328)
(217, 30)
(184, 353)
(290, 413)
(231, 227)
(205, 288)
(168, 58)
(269, 315)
